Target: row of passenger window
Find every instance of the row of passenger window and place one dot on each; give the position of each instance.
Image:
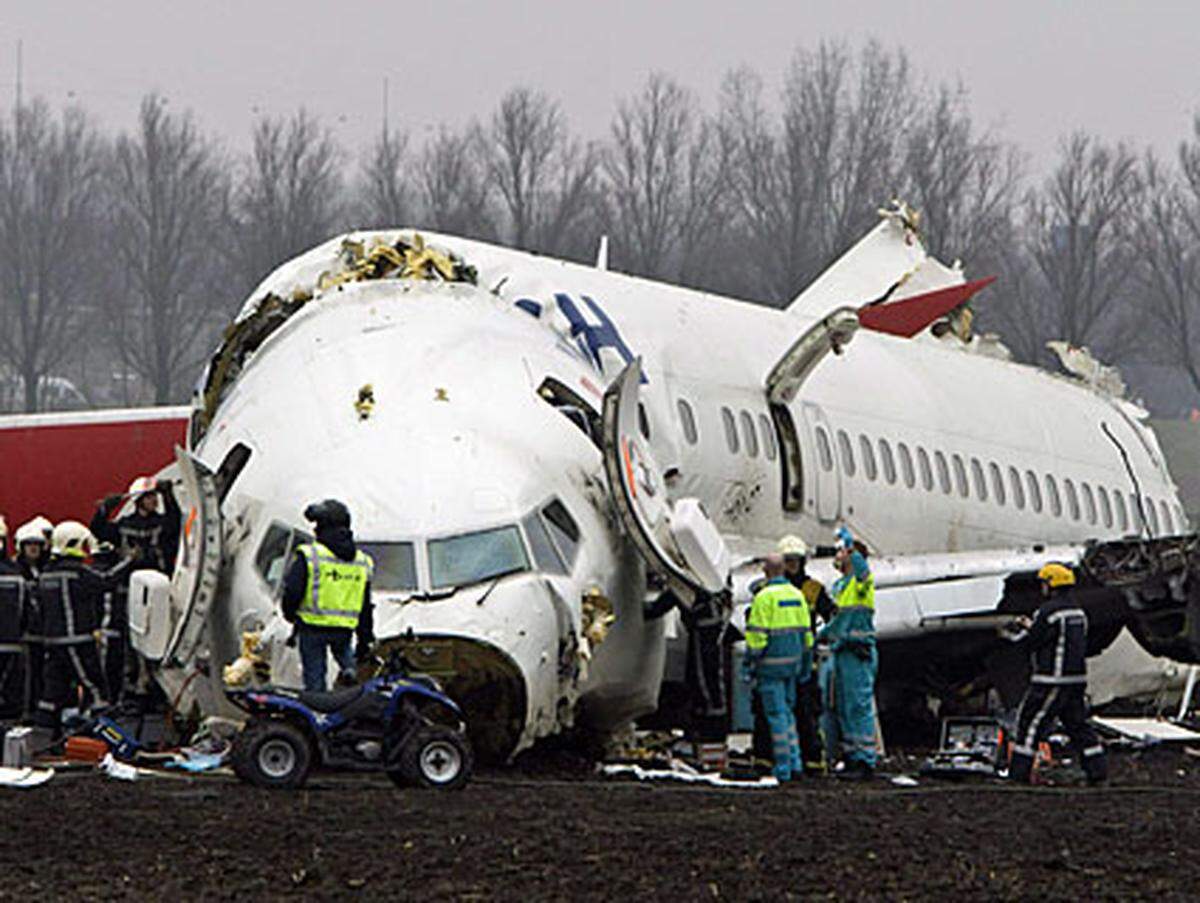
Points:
(1082, 502)
(750, 439)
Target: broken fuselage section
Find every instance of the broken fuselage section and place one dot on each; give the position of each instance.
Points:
(473, 472)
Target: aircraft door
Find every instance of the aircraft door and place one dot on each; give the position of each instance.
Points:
(825, 470)
(677, 540)
(198, 565)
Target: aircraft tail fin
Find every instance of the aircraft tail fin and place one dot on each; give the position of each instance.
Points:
(908, 316)
(887, 264)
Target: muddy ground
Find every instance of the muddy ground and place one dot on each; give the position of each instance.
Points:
(520, 834)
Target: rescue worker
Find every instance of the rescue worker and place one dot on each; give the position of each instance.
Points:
(1056, 639)
(149, 535)
(706, 666)
(32, 555)
(32, 549)
(778, 651)
(808, 693)
(327, 596)
(70, 596)
(13, 596)
(848, 675)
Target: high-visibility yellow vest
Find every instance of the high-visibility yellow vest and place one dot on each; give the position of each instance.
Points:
(852, 592)
(334, 594)
(778, 628)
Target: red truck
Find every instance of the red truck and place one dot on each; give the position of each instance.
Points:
(61, 465)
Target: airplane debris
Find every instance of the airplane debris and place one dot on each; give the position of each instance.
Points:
(1082, 364)
(687, 775)
(1148, 730)
(407, 257)
(24, 778)
(364, 406)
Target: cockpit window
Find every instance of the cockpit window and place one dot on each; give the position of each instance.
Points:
(563, 530)
(395, 565)
(545, 556)
(275, 550)
(472, 557)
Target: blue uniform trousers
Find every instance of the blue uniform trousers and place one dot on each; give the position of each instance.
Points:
(778, 696)
(848, 704)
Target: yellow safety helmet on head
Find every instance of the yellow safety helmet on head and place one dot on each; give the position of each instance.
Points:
(1056, 575)
(792, 546)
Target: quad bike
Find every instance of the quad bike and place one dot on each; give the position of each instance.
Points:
(398, 722)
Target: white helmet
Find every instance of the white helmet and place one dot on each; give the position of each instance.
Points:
(3, 529)
(41, 522)
(141, 486)
(73, 539)
(31, 531)
(792, 546)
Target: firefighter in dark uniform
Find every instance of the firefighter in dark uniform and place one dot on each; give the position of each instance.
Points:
(1056, 639)
(149, 536)
(13, 597)
(70, 602)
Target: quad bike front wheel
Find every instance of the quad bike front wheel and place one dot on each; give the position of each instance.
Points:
(435, 757)
(272, 753)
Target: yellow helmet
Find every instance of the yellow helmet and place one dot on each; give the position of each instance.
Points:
(792, 545)
(1057, 575)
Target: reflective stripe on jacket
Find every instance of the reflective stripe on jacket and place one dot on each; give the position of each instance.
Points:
(334, 593)
(779, 629)
(854, 595)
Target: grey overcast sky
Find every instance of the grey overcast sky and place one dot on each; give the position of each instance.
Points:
(1034, 69)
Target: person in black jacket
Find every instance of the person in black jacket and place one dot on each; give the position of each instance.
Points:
(13, 608)
(71, 609)
(1056, 639)
(148, 535)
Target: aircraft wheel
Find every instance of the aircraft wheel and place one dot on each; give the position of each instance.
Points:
(272, 753)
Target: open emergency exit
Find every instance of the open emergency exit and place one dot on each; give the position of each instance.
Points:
(677, 539)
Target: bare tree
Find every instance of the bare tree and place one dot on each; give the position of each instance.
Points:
(965, 185)
(808, 185)
(387, 187)
(667, 172)
(544, 178)
(167, 189)
(49, 187)
(1168, 268)
(1079, 227)
(288, 197)
(452, 189)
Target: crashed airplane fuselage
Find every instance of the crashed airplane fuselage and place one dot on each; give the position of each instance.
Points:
(461, 418)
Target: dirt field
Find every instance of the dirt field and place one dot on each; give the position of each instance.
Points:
(511, 835)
